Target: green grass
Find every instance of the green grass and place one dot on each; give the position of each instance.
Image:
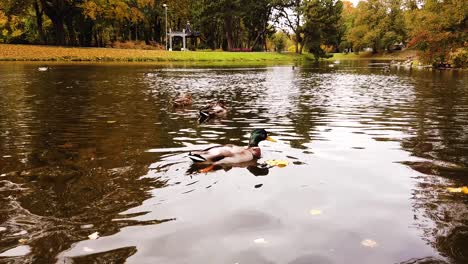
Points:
(52, 53)
(396, 55)
(70, 54)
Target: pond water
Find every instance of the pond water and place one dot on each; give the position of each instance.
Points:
(88, 148)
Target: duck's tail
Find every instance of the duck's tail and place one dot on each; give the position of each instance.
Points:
(196, 157)
(203, 116)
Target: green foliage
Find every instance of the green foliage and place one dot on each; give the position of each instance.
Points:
(377, 24)
(435, 27)
(438, 28)
(279, 40)
(290, 13)
(12, 20)
(458, 57)
(322, 25)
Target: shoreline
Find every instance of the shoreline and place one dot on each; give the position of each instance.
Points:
(37, 53)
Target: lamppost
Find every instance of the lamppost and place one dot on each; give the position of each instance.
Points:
(165, 7)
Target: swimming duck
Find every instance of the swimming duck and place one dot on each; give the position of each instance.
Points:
(213, 109)
(230, 154)
(183, 99)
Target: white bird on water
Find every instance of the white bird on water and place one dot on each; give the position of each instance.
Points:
(43, 69)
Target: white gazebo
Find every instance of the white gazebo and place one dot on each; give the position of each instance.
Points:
(182, 34)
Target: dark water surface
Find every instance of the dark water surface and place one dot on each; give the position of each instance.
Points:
(97, 148)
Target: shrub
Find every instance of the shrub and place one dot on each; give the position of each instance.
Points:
(136, 45)
(459, 57)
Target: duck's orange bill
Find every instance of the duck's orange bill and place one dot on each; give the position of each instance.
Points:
(271, 139)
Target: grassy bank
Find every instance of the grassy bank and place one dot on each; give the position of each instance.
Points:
(64, 54)
(52, 53)
(396, 55)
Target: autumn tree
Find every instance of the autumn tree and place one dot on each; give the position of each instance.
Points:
(377, 24)
(439, 30)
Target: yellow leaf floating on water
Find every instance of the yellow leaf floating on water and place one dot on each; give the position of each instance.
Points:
(278, 163)
(463, 189)
(23, 241)
(111, 122)
(369, 243)
(315, 212)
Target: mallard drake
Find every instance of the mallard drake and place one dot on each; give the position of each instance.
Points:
(230, 154)
(213, 109)
(183, 99)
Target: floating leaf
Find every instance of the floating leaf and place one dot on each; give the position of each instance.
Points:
(111, 122)
(315, 212)
(369, 243)
(23, 241)
(463, 189)
(260, 241)
(94, 236)
(7, 156)
(2, 229)
(67, 145)
(278, 163)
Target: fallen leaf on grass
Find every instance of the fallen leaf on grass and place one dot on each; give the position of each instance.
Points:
(94, 236)
(463, 189)
(277, 163)
(315, 212)
(369, 243)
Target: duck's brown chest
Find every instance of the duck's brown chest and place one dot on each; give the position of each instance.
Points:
(256, 152)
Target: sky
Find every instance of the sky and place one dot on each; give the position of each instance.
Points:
(354, 2)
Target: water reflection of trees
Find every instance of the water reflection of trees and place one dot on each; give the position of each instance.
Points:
(72, 172)
(441, 121)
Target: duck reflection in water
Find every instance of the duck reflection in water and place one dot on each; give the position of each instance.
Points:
(257, 169)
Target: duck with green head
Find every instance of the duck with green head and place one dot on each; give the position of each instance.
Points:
(230, 154)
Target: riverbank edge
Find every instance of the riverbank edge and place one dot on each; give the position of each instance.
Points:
(10, 52)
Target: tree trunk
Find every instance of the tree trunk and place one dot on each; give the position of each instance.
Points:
(228, 30)
(56, 15)
(302, 46)
(39, 21)
(71, 31)
(59, 31)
